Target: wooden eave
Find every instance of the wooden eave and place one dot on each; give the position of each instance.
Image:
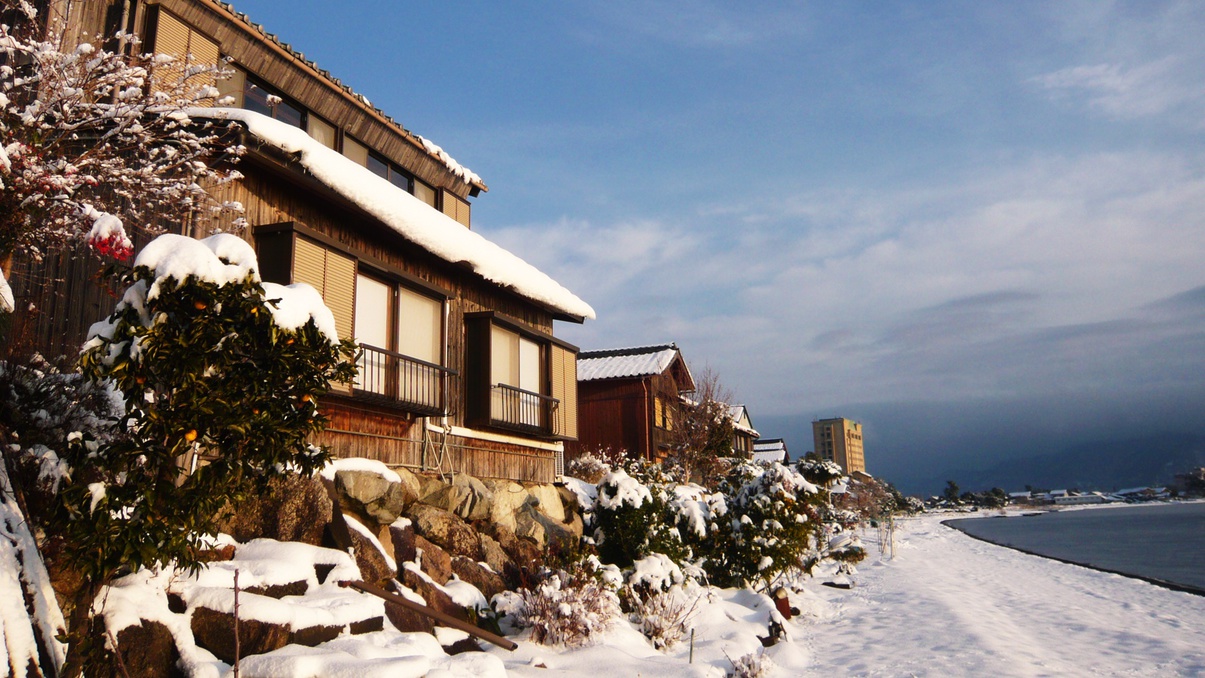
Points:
(378, 130)
(287, 167)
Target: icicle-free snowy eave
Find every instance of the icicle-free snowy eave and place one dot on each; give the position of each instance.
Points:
(415, 220)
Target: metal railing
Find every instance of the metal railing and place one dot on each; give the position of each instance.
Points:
(408, 383)
(519, 410)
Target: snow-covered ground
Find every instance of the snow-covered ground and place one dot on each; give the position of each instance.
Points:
(946, 605)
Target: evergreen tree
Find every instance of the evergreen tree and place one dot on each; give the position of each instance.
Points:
(218, 374)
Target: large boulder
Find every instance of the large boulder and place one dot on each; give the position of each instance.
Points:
(371, 494)
(407, 620)
(292, 508)
(569, 500)
(488, 582)
(374, 569)
(549, 501)
(436, 599)
(214, 631)
(509, 496)
(402, 536)
(495, 556)
(478, 502)
(428, 486)
(147, 649)
(530, 526)
(446, 530)
(523, 552)
(434, 561)
(558, 535)
(447, 497)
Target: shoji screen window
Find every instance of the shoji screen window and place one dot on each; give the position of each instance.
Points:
(400, 332)
(515, 370)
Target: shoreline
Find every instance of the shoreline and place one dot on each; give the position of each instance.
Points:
(1171, 585)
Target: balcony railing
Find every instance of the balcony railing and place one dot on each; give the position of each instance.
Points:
(407, 383)
(524, 411)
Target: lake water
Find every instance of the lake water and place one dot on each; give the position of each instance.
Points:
(1158, 541)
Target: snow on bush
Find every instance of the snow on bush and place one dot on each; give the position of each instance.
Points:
(567, 609)
(588, 467)
(664, 617)
(633, 520)
(218, 376)
(752, 665)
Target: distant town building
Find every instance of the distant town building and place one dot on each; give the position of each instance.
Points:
(771, 449)
(840, 440)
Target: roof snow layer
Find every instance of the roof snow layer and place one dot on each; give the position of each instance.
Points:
(621, 363)
(414, 219)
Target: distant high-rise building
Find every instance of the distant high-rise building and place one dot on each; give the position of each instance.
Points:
(840, 440)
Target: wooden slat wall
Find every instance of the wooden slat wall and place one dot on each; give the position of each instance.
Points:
(357, 431)
(564, 388)
(611, 414)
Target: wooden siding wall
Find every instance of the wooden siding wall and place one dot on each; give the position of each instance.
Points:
(618, 413)
(614, 414)
(359, 431)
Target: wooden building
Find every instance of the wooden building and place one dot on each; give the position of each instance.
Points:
(744, 436)
(460, 369)
(627, 398)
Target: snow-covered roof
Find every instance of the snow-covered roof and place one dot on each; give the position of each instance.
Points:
(741, 420)
(414, 219)
(770, 445)
(618, 363)
(466, 175)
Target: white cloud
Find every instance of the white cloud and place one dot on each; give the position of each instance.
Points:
(862, 295)
(1140, 91)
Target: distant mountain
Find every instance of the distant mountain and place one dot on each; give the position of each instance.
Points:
(1103, 465)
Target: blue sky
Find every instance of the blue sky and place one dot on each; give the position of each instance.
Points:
(831, 204)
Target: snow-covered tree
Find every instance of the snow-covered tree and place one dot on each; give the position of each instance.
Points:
(92, 141)
(218, 373)
(702, 432)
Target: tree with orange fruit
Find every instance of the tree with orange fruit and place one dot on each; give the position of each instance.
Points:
(219, 375)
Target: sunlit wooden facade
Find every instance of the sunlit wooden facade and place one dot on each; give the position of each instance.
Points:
(457, 373)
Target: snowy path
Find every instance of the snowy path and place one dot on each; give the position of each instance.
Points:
(949, 605)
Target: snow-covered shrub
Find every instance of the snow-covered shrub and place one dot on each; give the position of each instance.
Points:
(820, 472)
(663, 617)
(655, 573)
(632, 520)
(567, 609)
(752, 665)
(592, 466)
(772, 521)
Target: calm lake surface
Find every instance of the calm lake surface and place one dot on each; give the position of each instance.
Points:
(1160, 541)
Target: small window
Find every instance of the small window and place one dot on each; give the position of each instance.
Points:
(456, 207)
(425, 193)
(321, 131)
(519, 380)
(377, 166)
(261, 99)
(355, 150)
